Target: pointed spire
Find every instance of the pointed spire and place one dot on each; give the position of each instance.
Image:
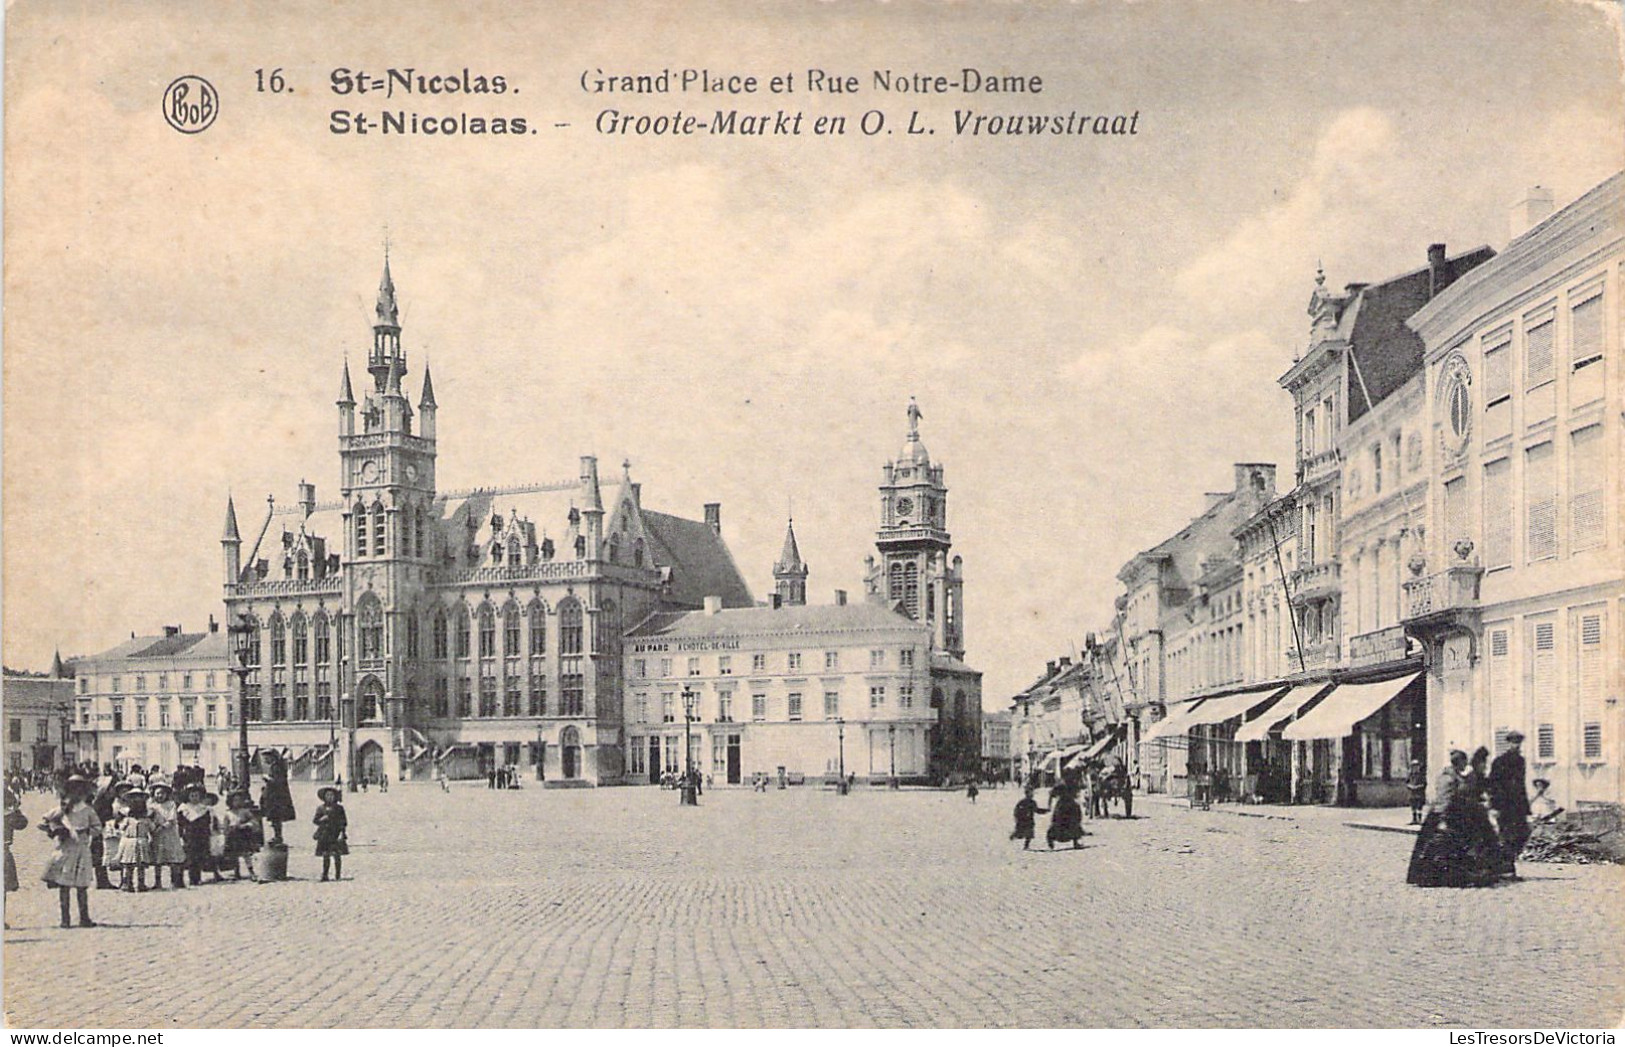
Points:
(57, 672)
(427, 399)
(231, 534)
(388, 311)
(346, 394)
(589, 485)
(790, 555)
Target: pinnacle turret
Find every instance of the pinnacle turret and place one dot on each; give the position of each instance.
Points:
(427, 400)
(346, 393)
(231, 534)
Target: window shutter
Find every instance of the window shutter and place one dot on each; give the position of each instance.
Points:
(1498, 513)
(1502, 701)
(1591, 673)
(1455, 509)
(1586, 325)
(1586, 522)
(1497, 373)
(1543, 688)
(1538, 353)
(1540, 499)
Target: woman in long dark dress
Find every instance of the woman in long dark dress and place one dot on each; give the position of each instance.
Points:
(1066, 817)
(1449, 851)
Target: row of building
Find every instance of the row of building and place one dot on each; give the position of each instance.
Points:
(404, 630)
(1442, 567)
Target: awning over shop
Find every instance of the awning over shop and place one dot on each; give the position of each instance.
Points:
(1218, 710)
(1176, 722)
(1057, 755)
(1096, 747)
(1258, 728)
(1343, 708)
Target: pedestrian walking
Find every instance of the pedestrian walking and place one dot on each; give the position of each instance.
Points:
(331, 835)
(71, 826)
(971, 792)
(1416, 783)
(1509, 799)
(166, 837)
(1066, 817)
(1449, 850)
(1026, 811)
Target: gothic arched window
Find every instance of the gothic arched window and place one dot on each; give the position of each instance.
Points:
(614, 548)
(324, 647)
(442, 649)
(462, 632)
(538, 628)
(301, 643)
(417, 527)
(359, 515)
(303, 566)
(569, 626)
(911, 590)
(279, 640)
(510, 630)
(894, 592)
(513, 550)
(488, 632)
(637, 553)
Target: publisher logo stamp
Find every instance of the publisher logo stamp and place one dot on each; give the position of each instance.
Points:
(191, 104)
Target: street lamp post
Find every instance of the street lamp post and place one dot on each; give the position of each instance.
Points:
(891, 733)
(689, 795)
(840, 734)
(241, 632)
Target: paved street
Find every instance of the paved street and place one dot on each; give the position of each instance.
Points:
(617, 908)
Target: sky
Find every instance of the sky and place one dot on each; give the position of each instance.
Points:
(1093, 326)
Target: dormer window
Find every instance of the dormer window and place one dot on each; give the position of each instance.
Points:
(496, 553)
(547, 548)
(581, 547)
(513, 551)
(303, 567)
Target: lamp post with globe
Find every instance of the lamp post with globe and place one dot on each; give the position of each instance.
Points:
(689, 794)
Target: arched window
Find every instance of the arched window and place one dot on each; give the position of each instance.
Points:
(614, 548)
(895, 582)
(359, 516)
(324, 646)
(547, 548)
(581, 547)
(377, 528)
(569, 626)
(371, 695)
(412, 634)
(301, 644)
(513, 550)
(369, 617)
(417, 528)
(510, 630)
(488, 632)
(496, 553)
(442, 648)
(302, 571)
(279, 641)
(637, 553)
(607, 636)
(462, 632)
(537, 614)
(406, 532)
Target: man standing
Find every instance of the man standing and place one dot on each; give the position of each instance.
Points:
(1509, 798)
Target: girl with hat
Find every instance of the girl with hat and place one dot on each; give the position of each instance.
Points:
(71, 868)
(243, 835)
(134, 841)
(15, 819)
(217, 834)
(194, 820)
(331, 834)
(167, 848)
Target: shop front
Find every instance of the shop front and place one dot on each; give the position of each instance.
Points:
(1354, 748)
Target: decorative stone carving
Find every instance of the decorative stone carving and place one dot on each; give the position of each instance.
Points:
(1463, 548)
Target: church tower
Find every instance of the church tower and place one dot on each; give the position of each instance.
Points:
(914, 574)
(387, 488)
(790, 573)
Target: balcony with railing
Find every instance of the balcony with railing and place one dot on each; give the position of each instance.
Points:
(1446, 602)
(1316, 581)
(1319, 466)
(1320, 654)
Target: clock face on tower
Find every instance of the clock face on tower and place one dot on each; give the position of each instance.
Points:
(369, 471)
(411, 473)
(905, 506)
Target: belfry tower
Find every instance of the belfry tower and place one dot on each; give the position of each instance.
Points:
(790, 573)
(914, 574)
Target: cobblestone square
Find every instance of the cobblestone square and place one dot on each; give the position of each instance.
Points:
(617, 908)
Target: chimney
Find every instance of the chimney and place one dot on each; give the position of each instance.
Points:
(172, 630)
(713, 605)
(1256, 478)
(1535, 207)
(1066, 661)
(214, 626)
(713, 516)
(840, 598)
(1438, 274)
(1049, 669)
(307, 497)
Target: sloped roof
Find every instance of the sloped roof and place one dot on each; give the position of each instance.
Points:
(192, 645)
(700, 561)
(741, 621)
(1388, 352)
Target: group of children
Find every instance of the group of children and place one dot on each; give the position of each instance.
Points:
(125, 829)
